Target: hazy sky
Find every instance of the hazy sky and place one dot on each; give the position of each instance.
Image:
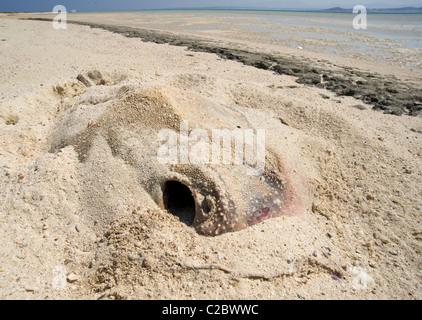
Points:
(105, 5)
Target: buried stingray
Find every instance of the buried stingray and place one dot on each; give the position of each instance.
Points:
(213, 197)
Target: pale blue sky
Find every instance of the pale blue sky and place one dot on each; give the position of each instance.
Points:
(108, 5)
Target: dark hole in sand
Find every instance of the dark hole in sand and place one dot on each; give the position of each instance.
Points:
(178, 200)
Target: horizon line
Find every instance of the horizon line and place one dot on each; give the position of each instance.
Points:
(330, 10)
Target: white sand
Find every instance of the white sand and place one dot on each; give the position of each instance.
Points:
(358, 173)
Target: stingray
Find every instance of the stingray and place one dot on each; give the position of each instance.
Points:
(214, 197)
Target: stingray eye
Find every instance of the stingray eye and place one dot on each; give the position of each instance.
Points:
(206, 206)
(178, 200)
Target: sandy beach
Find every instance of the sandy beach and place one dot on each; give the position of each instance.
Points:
(79, 112)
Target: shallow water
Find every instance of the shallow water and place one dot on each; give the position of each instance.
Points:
(385, 37)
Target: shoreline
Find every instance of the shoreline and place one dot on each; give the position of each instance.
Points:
(386, 93)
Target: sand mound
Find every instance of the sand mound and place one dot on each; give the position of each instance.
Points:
(225, 196)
